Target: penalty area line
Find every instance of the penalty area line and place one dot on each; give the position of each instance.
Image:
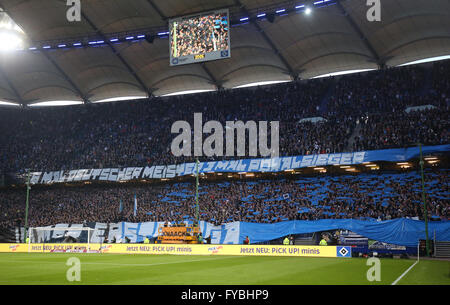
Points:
(404, 273)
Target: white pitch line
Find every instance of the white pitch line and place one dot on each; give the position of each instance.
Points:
(404, 273)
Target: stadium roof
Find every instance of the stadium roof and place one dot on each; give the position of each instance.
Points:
(335, 37)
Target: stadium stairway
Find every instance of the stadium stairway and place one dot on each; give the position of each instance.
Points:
(442, 249)
(351, 140)
(428, 83)
(323, 107)
(7, 236)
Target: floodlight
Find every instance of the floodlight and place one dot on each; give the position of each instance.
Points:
(10, 41)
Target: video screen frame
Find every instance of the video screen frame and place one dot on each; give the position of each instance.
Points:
(222, 48)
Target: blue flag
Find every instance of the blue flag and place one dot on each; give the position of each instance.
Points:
(135, 205)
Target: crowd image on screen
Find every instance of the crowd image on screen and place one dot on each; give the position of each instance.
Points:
(199, 35)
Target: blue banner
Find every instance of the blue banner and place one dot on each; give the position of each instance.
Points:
(289, 163)
(401, 231)
(232, 166)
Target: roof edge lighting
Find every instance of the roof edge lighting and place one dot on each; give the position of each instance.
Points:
(263, 83)
(425, 60)
(188, 92)
(342, 73)
(5, 103)
(120, 98)
(55, 103)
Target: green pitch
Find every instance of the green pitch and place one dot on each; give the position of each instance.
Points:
(32, 268)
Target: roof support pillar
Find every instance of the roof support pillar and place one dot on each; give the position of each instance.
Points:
(277, 52)
(381, 64)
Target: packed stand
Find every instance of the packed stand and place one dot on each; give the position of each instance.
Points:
(377, 196)
(367, 108)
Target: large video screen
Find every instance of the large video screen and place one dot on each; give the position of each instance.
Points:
(200, 37)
